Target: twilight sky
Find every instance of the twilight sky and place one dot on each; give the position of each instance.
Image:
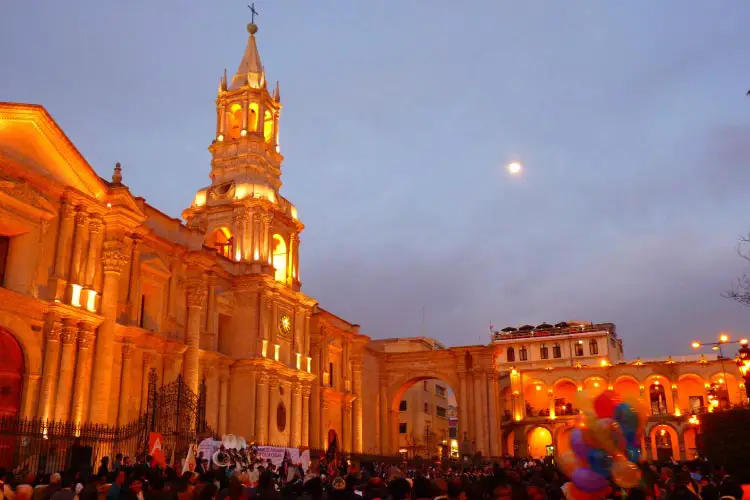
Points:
(630, 118)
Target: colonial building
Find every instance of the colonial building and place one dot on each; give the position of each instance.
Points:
(100, 289)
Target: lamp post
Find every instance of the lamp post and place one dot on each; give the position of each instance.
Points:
(744, 364)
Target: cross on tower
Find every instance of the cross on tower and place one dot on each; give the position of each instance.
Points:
(253, 12)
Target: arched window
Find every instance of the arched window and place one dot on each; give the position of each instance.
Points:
(279, 258)
(556, 351)
(511, 355)
(544, 352)
(593, 347)
(267, 126)
(523, 354)
(235, 121)
(223, 241)
(252, 117)
(658, 399)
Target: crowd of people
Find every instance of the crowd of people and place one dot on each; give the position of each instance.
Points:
(506, 479)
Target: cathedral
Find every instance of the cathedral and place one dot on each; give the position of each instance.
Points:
(100, 292)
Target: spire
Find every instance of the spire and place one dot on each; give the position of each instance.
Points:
(277, 93)
(117, 174)
(250, 72)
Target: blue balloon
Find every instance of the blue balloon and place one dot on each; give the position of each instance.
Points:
(600, 462)
(626, 416)
(634, 453)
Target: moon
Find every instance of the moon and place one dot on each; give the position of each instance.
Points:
(514, 167)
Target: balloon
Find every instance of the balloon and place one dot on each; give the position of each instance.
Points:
(605, 404)
(634, 453)
(568, 462)
(574, 493)
(607, 434)
(627, 417)
(600, 462)
(578, 444)
(625, 473)
(589, 481)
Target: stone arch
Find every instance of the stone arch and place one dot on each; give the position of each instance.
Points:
(595, 384)
(31, 350)
(536, 398)
(627, 386)
(561, 437)
(674, 438)
(565, 393)
(398, 388)
(691, 385)
(537, 438)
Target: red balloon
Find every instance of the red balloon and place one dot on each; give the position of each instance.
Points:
(605, 404)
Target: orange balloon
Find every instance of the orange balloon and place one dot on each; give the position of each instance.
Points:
(568, 462)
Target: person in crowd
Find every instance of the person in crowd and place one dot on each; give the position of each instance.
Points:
(114, 491)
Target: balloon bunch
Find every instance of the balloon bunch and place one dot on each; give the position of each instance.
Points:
(606, 446)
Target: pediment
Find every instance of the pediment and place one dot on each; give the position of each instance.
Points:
(32, 140)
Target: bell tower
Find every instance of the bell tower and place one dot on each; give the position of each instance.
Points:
(242, 212)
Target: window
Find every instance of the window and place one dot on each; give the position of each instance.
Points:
(402, 405)
(440, 411)
(511, 354)
(330, 374)
(4, 246)
(593, 347)
(402, 428)
(556, 351)
(579, 348)
(453, 433)
(440, 391)
(427, 407)
(523, 354)
(544, 352)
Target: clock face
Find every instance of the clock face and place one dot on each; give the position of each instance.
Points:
(285, 324)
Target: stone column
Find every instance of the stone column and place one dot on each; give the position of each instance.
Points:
(64, 237)
(676, 401)
(239, 237)
(223, 400)
(357, 405)
(261, 406)
(67, 368)
(273, 403)
(296, 414)
(113, 258)
(81, 385)
(323, 423)
(385, 426)
(255, 238)
(267, 237)
(52, 332)
(485, 414)
(306, 390)
(196, 294)
(174, 269)
(478, 425)
(210, 329)
(222, 120)
(76, 261)
(649, 451)
(315, 394)
(681, 445)
(347, 424)
(492, 393)
(127, 356)
(145, 370)
(463, 406)
(92, 260)
(134, 285)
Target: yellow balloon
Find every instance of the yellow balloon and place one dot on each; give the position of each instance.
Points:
(625, 473)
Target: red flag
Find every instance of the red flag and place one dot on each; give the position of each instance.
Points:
(155, 449)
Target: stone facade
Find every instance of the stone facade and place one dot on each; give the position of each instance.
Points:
(99, 288)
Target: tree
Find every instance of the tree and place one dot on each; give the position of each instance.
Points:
(740, 290)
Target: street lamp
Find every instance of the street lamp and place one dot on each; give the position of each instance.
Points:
(743, 364)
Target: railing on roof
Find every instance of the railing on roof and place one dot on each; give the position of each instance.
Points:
(555, 332)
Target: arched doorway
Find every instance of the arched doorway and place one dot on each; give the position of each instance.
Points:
(428, 420)
(11, 386)
(223, 241)
(540, 441)
(664, 440)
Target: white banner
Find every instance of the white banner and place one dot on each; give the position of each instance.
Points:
(208, 446)
(276, 454)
